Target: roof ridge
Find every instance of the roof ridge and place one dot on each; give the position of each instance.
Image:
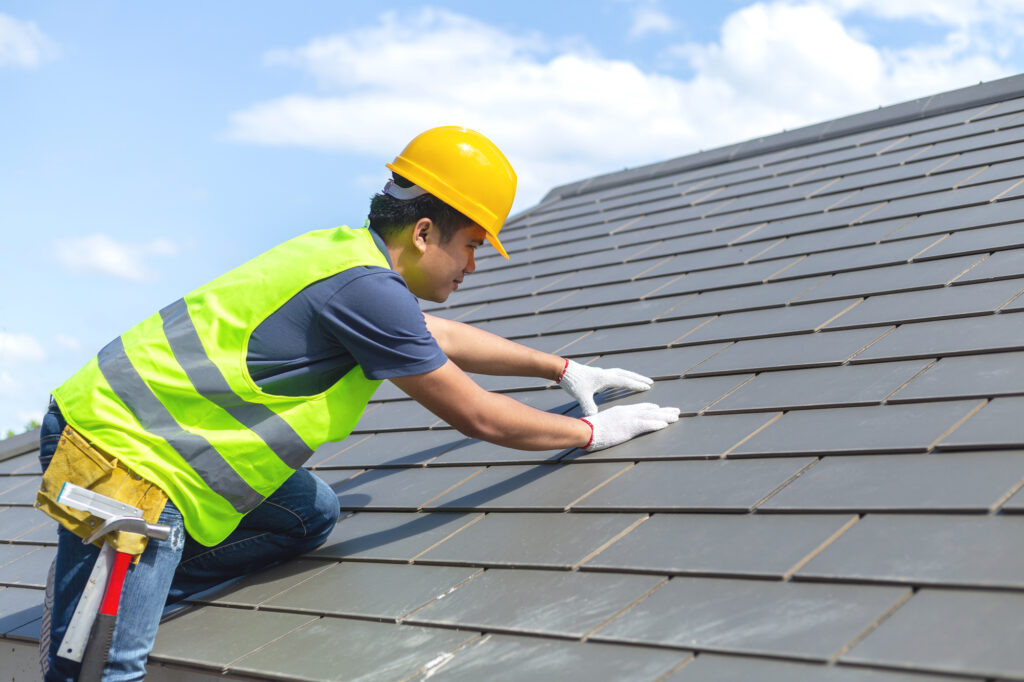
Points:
(924, 107)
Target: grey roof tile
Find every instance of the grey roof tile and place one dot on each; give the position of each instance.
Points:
(648, 283)
(723, 278)
(734, 486)
(332, 448)
(961, 482)
(210, 637)
(947, 337)
(931, 304)
(390, 536)
(26, 463)
(393, 449)
(29, 570)
(526, 325)
(257, 588)
(563, 603)
(370, 590)
(19, 444)
(825, 387)
(399, 489)
(766, 295)
(17, 521)
(790, 226)
(341, 649)
(978, 241)
(18, 490)
(861, 234)
(470, 451)
(770, 322)
(515, 306)
(889, 279)
(513, 658)
(718, 544)
(619, 314)
(530, 540)
(916, 550)
(545, 487)
(939, 201)
(998, 424)
(665, 363)
(1015, 503)
(689, 395)
(955, 219)
(395, 415)
(718, 668)
(879, 175)
(1001, 265)
(784, 352)
(553, 343)
(756, 617)
(18, 607)
(703, 437)
(971, 376)
(885, 428)
(858, 257)
(950, 631)
(633, 337)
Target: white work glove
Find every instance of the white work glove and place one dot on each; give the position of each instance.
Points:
(623, 422)
(582, 382)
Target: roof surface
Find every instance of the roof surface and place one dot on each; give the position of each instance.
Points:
(835, 310)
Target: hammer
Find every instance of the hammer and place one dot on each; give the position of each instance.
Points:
(99, 624)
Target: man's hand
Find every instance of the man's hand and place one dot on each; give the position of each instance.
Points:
(618, 424)
(582, 382)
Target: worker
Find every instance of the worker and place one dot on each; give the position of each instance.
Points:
(203, 414)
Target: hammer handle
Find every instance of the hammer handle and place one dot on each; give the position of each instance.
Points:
(102, 633)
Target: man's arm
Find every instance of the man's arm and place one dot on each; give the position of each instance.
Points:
(480, 352)
(493, 417)
(475, 350)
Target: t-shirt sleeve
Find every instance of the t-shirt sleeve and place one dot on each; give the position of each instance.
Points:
(379, 321)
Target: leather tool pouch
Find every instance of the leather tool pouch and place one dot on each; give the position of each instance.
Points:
(76, 461)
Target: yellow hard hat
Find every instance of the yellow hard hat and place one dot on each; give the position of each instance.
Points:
(465, 170)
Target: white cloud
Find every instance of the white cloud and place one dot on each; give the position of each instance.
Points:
(101, 253)
(26, 417)
(9, 386)
(650, 20)
(16, 348)
(561, 115)
(69, 343)
(23, 45)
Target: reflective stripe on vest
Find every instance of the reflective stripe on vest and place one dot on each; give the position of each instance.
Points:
(211, 384)
(172, 398)
(117, 369)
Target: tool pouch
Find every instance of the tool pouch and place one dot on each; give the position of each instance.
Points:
(77, 461)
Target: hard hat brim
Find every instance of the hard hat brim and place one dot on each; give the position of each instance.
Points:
(496, 244)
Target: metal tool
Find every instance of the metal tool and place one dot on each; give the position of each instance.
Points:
(91, 629)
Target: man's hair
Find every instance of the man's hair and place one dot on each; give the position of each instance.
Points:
(389, 216)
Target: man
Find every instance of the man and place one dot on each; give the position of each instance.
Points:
(203, 414)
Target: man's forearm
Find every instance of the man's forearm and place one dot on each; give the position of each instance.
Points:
(493, 417)
(480, 352)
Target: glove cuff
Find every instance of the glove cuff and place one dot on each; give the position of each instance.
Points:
(591, 441)
(562, 375)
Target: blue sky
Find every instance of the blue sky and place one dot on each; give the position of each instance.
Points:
(147, 147)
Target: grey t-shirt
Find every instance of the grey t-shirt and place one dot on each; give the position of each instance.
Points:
(365, 315)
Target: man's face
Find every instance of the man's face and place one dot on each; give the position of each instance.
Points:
(441, 267)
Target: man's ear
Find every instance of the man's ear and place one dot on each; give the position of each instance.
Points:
(422, 232)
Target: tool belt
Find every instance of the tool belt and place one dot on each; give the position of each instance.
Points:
(77, 461)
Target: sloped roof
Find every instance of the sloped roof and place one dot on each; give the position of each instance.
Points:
(835, 310)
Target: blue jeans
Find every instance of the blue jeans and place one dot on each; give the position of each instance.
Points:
(295, 519)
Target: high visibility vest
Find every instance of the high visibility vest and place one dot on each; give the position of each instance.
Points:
(173, 400)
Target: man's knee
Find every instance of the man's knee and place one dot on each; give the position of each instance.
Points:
(326, 512)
